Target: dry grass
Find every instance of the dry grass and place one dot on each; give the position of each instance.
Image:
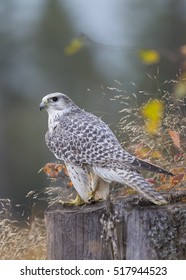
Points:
(19, 241)
(134, 136)
(22, 231)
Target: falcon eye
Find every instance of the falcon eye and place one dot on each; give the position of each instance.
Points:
(54, 99)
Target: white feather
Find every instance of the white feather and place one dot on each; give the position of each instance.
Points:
(81, 180)
(108, 175)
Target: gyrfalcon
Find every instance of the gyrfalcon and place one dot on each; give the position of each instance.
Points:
(91, 152)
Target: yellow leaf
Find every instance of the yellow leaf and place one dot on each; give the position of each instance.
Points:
(149, 56)
(74, 46)
(156, 154)
(152, 113)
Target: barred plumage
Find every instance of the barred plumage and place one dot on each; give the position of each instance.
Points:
(91, 152)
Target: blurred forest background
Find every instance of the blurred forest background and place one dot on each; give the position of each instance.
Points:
(81, 48)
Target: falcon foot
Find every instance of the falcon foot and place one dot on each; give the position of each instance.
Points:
(75, 202)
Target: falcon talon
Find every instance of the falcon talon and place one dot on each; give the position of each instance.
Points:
(91, 152)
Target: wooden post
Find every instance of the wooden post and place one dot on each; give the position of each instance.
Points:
(74, 232)
(122, 228)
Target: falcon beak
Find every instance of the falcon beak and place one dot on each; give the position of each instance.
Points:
(42, 105)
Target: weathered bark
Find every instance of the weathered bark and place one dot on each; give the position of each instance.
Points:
(75, 232)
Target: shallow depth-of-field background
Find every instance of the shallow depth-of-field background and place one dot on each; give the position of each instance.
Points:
(124, 61)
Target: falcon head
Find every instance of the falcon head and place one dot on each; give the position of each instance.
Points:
(56, 102)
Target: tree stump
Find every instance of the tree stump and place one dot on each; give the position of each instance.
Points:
(120, 228)
(74, 232)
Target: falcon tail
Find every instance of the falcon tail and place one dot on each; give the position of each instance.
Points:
(138, 183)
(134, 180)
(140, 164)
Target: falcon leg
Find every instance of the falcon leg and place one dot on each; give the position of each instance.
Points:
(100, 189)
